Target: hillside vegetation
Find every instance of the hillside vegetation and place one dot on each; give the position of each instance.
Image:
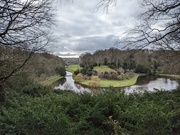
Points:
(36, 110)
(39, 66)
(43, 65)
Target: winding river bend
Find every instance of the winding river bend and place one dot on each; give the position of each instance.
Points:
(68, 83)
(148, 83)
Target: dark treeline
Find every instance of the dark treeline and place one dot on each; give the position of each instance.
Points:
(143, 61)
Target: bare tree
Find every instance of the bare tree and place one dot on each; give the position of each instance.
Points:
(157, 28)
(23, 27)
(159, 25)
(106, 4)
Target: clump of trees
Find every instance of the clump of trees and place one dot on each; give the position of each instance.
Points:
(86, 71)
(61, 71)
(113, 74)
(116, 75)
(126, 59)
(141, 69)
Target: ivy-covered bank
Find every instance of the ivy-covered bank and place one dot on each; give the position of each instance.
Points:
(37, 110)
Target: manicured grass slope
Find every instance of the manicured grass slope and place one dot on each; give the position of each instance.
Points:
(73, 68)
(115, 83)
(102, 68)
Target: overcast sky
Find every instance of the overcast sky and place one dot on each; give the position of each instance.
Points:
(80, 28)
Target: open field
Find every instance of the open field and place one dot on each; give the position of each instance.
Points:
(73, 68)
(102, 68)
(50, 80)
(115, 83)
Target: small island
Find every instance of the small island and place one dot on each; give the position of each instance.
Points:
(103, 76)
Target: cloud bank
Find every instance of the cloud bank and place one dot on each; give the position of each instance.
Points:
(79, 28)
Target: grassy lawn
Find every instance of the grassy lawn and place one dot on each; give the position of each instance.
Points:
(102, 68)
(73, 68)
(50, 80)
(115, 83)
(170, 75)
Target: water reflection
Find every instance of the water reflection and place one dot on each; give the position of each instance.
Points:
(148, 83)
(59, 82)
(69, 84)
(153, 84)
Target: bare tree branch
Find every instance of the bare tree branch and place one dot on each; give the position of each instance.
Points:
(106, 4)
(24, 26)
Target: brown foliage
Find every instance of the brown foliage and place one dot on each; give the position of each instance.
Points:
(79, 78)
(94, 81)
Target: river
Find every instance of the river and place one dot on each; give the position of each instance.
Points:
(148, 83)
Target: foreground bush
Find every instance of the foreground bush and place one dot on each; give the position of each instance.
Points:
(109, 112)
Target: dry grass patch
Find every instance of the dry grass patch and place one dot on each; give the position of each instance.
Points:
(94, 82)
(79, 78)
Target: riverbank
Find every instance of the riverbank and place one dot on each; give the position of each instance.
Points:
(170, 75)
(114, 83)
(51, 80)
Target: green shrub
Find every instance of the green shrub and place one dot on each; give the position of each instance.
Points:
(76, 72)
(61, 71)
(104, 113)
(142, 69)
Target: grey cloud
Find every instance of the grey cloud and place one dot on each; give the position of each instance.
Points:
(65, 54)
(78, 28)
(93, 43)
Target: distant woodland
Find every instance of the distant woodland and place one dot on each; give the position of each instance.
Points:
(147, 61)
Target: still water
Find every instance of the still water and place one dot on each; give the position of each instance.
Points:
(68, 83)
(148, 83)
